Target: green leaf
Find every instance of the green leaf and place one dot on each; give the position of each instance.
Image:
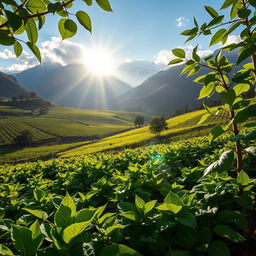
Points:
(227, 3)
(251, 150)
(27, 240)
(246, 53)
(85, 215)
(195, 56)
(187, 219)
(35, 50)
(105, 5)
(206, 91)
(5, 39)
(204, 118)
(73, 231)
(228, 97)
(175, 61)
(139, 202)
(217, 37)
(114, 227)
(241, 88)
(118, 249)
(38, 213)
(229, 233)
(31, 31)
(5, 251)
(211, 11)
(88, 2)
(39, 194)
(84, 20)
(65, 213)
(36, 6)
(218, 248)
(216, 21)
(179, 53)
(223, 164)
(242, 116)
(14, 20)
(149, 206)
(67, 28)
(169, 207)
(216, 132)
(17, 47)
(243, 178)
(130, 215)
(173, 198)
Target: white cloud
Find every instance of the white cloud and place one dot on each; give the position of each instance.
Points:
(54, 50)
(165, 56)
(7, 54)
(181, 21)
(233, 39)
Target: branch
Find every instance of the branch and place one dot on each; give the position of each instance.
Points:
(226, 23)
(36, 15)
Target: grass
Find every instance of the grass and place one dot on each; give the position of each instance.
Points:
(180, 127)
(68, 122)
(62, 122)
(14, 155)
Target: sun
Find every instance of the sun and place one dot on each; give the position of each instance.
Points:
(99, 62)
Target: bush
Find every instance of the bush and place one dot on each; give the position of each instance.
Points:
(25, 138)
(157, 125)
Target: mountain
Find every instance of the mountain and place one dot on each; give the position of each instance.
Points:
(136, 72)
(10, 87)
(165, 93)
(72, 85)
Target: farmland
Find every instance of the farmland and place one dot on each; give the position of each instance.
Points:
(64, 123)
(147, 201)
(61, 123)
(178, 128)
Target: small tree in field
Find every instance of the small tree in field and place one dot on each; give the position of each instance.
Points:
(157, 125)
(139, 121)
(25, 138)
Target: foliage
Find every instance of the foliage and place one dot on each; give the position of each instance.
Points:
(150, 201)
(139, 121)
(157, 125)
(25, 138)
(27, 17)
(229, 80)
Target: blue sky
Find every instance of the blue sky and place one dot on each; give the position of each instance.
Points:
(137, 29)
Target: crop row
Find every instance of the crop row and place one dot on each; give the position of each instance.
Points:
(9, 129)
(148, 201)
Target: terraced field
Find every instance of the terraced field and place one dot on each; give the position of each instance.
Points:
(178, 128)
(63, 123)
(10, 128)
(60, 123)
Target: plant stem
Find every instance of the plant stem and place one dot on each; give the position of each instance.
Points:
(239, 158)
(239, 152)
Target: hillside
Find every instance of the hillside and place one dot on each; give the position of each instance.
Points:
(72, 85)
(63, 124)
(136, 72)
(165, 93)
(83, 123)
(10, 87)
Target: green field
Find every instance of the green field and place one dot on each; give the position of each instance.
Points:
(141, 202)
(66, 122)
(61, 123)
(180, 127)
(13, 155)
